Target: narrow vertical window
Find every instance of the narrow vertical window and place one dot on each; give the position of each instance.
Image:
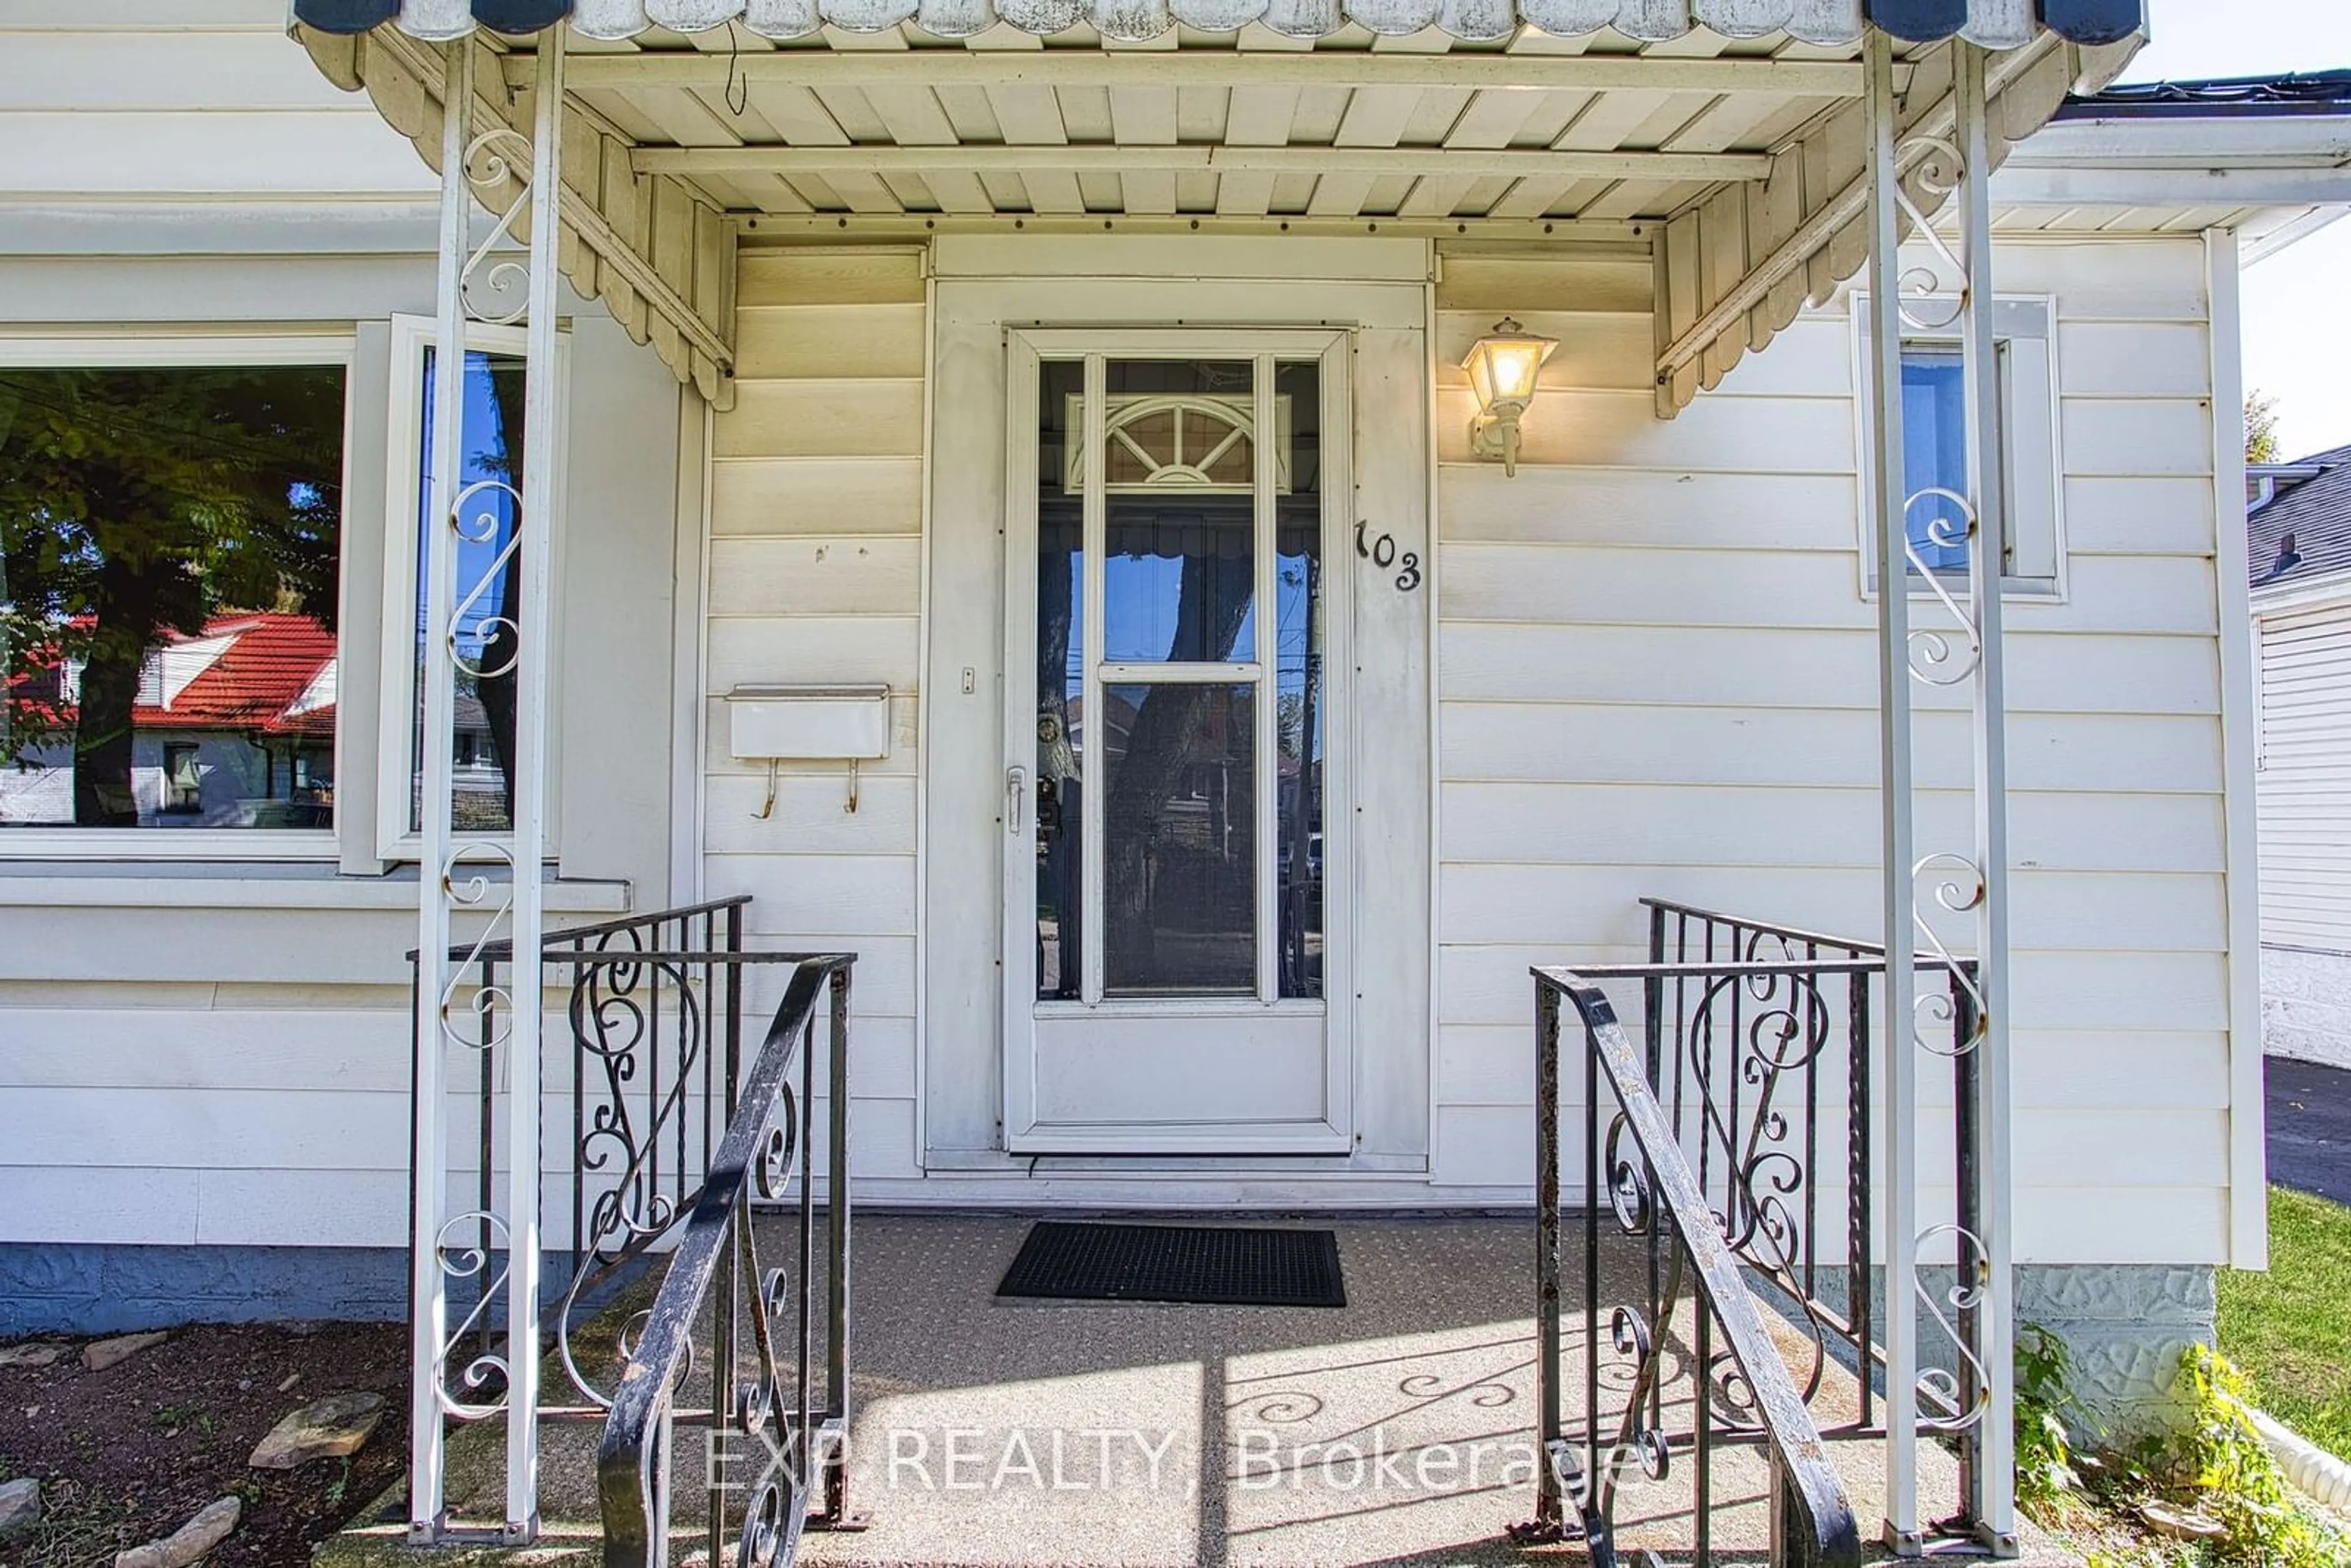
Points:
(1935, 455)
(1060, 685)
(1301, 688)
(489, 578)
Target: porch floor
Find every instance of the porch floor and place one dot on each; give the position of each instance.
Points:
(1399, 1429)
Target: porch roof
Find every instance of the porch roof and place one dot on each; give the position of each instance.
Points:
(1723, 138)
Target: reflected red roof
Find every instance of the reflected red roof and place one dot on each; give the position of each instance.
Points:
(272, 662)
(261, 673)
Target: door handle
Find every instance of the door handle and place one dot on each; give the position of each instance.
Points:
(1016, 785)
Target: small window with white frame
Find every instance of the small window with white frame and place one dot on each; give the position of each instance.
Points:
(171, 552)
(489, 574)
(1933, 437)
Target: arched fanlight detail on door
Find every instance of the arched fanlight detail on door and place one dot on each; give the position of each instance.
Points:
(1178, 440)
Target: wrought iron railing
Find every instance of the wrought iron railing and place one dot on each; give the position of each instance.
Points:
(1735, 1053)
(656, 1085)
(772, 1444)
(655, 1055)
(1696, 1221)
(1953, 1392)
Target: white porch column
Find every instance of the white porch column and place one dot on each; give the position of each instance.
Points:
(1898, 1080)
(532, 618)
(428, 1336)
(1985, 1228)
(485, 621)
(1955, 1015)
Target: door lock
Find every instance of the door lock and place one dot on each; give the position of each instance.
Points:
(1016, 785)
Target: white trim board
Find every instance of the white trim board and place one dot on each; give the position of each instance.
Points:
(1332, 259)
(2240, 710)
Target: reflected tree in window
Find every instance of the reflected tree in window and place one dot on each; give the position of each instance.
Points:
(501, 656)
(136, 504)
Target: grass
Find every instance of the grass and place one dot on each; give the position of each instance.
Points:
(2290, 1330)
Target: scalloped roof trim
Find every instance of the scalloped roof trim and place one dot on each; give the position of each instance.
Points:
(1995, 24)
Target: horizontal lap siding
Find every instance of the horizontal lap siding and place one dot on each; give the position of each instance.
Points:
(815, 576)
(1657, 677)
(144, 114)
(2304, 788)
(187, 1074)
(181, 1064)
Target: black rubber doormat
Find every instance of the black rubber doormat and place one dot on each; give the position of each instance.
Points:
(1201, 1265)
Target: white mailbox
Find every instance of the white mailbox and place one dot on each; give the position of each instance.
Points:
(809, 723)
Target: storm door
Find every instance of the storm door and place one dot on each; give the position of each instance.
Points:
(1168, 808)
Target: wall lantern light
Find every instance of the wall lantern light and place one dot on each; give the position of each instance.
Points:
(1503, 367)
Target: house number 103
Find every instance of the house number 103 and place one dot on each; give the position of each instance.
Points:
(1381, 553)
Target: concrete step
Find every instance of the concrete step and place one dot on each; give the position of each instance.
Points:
(1399, 1429)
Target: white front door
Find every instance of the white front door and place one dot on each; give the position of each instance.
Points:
(1175, 778)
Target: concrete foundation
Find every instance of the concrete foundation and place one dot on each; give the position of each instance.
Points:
(2127, 1326)
(86, 1287)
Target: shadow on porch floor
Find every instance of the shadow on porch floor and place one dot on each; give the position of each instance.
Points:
(990, 1434)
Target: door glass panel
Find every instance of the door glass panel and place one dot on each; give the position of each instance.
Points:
(1179, 479)
(1179, 840)
(1061, 678)
(1300, 688)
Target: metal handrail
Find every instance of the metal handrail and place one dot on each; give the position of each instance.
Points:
(1812, 1520)
(550, 942)
(1793, 934)
(799, 1443)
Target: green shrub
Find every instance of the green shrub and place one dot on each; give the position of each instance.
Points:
(2238, 1484)
(2045, 1481)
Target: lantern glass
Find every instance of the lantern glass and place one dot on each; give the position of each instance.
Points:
(1504, 364)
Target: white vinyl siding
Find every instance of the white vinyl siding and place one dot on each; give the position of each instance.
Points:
(815, 576)
(110, 983)
(172, 107)
(2305, 778)
(1656, 676)
(220, 1054)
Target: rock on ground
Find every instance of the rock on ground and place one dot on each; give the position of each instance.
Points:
(209, 1527)
(327, 1428)
(20, 1506)
(32, 1353)
(100, 1354)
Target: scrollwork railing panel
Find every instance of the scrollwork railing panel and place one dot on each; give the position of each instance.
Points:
(658, 1083)
(1949, 1024)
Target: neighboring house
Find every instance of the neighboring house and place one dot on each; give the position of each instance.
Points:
(839, 320)
(235, 729)
(2299, 527)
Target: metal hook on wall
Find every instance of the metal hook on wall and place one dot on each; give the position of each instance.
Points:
(768, 810)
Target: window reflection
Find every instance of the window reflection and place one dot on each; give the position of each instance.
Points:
(1183, 765)
(1061, 681)
(171, 539)
(1179, 574)
(482, 717)
(1300, 690)
(1179, 840)
(1935, 455)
